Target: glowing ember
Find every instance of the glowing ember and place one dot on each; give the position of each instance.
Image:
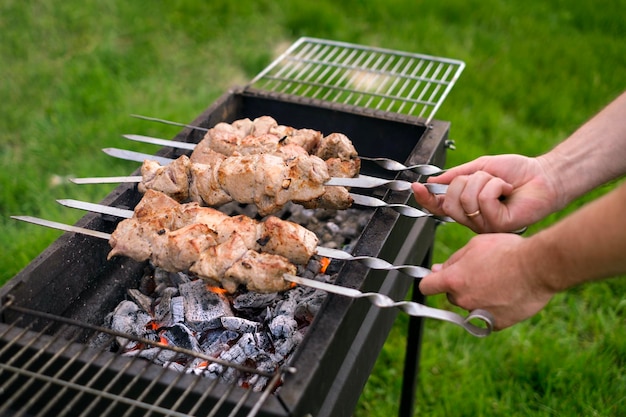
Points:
(324, 264)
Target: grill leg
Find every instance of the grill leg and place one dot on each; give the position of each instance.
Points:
(413, 352)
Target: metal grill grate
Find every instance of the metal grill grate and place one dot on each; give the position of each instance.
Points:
(49, 366)
(373, 78)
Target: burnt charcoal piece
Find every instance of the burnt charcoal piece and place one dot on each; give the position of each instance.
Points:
(203, 308)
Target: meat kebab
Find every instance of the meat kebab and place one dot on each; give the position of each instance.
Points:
(259, 162)
(232, 250)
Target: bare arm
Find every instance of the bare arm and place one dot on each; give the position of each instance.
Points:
(515, 277)
(533, 187)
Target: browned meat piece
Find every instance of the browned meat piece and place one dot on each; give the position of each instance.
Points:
(336, 145)
(291, 151)
(264, 143)
(223, 138)
(260, 272)
(243, 126)
(178, 250)
(172, 179)
(343, 169)
(282, 131)
(337, 198)
(204, 186)
(308, 139)
(269, 182)
(131, 238)
(193, 213)
(215, 261)
(204, 154)
(159, 209)
(306, 178)
(249, 230)
(262, 125)
(288, 239)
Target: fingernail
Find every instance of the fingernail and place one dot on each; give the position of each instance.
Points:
(437, 267)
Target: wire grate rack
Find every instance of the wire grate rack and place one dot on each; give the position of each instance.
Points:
(49, 365)
(362, 76)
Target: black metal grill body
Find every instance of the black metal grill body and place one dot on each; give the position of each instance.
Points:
(72, 280)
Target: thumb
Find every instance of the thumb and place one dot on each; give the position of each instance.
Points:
(426, 199)
(433, 283)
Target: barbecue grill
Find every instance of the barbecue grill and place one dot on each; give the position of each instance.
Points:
(52, 311)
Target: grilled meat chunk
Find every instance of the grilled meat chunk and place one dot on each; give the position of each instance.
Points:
(178, 250)
(288, 239)
(215, 261)
(205, 187)
(336, 145)
(172, 179)
(260, 272)
(269, 182)
(132, 238)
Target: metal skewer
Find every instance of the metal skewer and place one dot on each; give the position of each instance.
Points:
(410, 307)
(379, 300)
(386, 163)
(369, 261)
(391, 165)
(362, 181)
(359, 199)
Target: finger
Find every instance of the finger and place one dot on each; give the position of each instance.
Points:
(435, 282)
(432, 284)
(427, 200)
(470, 198)
(492, 200)
(451, 204)
(468, 168)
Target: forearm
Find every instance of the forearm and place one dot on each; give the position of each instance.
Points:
(588, 245)
(591, 156)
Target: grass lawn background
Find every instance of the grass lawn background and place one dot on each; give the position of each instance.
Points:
(73, 71)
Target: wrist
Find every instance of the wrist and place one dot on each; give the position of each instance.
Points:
(542, 263)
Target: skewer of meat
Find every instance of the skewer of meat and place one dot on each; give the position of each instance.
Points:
(230, 250)
(272, 235)
(265, 180)
(265, 135)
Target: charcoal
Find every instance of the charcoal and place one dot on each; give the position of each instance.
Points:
(130, 319)
(179, 278)
(283, 347)
(162, 280)
(219, 341)
(203, 308)
(158, 355)
(250, 300)
(181, 336)
(263, 341)
(178, 309)
(163, 309)
(264, 363)
(283, 326)
(141, 299)
(240, 324)
(245, 349)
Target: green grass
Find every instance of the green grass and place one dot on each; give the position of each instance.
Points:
(73, 71)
